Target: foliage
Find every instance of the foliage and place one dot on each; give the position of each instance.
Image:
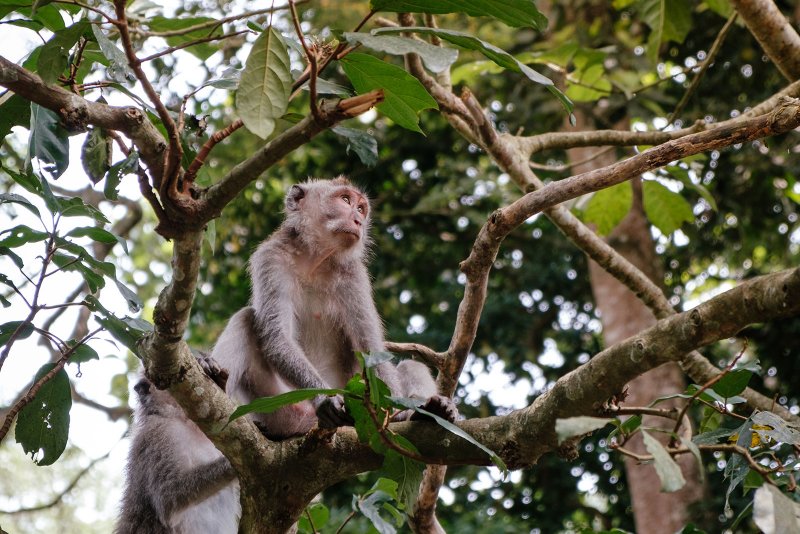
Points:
(736, 209)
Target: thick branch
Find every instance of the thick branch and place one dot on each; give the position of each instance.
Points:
(217, 196)
(76, 113)
(524, 435)
(774, 33)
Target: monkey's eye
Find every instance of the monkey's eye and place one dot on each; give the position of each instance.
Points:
(361, 209)
(346, 199)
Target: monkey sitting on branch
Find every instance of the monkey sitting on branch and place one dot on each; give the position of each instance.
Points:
(312, 308)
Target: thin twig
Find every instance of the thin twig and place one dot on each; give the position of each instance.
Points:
(703, 388)
(703, 68)
(191, 43)
(312, 62)
(36, 386)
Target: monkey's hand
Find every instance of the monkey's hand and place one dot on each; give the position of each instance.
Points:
(331, 412)
(439, 405)
(216, 373)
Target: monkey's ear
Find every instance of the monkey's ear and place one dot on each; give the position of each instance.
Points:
(294, 196)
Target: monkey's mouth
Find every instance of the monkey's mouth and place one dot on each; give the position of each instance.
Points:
(349, 232)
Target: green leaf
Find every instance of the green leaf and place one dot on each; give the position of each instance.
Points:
(498, 55)
(695, 450)
(667, 469)
(668, 20)
(127, 330)
(98, 234)
(21, 235)
(48, 141)
(362, 143)
(19, 199)
(270, 404)
(118, 69)
(370, 507)
(43, 424)
(265, 85)
(713, 437)
(435, 58)
(318, 514)
(82, 353)
(776, 429)
(732, 383)
(54, 56)
(496, 460)
(96, 154)
(114, 176)
(578, 426)
(404, 95)
(515, 13)
(131, 298)
(665, 209)
(76, 207)
(7, 330)
(470, 42)
(608, 207)
(14, 111)
(407, 473)
(681, 174)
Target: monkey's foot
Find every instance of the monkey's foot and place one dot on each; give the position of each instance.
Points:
(439, 405)
(218, 374)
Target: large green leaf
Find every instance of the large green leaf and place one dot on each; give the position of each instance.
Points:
(435, 58)
(470, 42)
(404, 95)
(665, 209)
(362, 143)
(54, 56)
(43, 424)
(497, 55)
(669, 20)
(516, 13)
(14, 111)
(265, 84)
(48, 141)
(118, 69)
(96, 154)
(117, 172)
(270, 404)
(608, 207)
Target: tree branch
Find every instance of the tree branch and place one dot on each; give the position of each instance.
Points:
(773, 32)
(76, 113)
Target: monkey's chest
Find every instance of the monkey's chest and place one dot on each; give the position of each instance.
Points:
(321, 332)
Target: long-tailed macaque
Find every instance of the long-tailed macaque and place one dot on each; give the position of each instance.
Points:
(177, 481)
(312, 307)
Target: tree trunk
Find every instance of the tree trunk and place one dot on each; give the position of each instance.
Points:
(624, 315)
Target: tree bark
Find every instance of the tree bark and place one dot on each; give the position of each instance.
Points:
(623, 315)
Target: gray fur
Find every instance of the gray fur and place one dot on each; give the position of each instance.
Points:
(312, 307)
(177, 481)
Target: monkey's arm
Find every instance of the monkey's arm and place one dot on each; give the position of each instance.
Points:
(175, 493)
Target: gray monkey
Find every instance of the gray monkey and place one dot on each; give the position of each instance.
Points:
(177, 481)
(312, 307)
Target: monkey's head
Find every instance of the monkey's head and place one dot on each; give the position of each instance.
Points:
(329, 213)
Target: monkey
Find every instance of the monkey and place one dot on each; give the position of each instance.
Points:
(311, 308)
(177, 481)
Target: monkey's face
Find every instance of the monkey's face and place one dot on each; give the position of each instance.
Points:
(347, 215)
